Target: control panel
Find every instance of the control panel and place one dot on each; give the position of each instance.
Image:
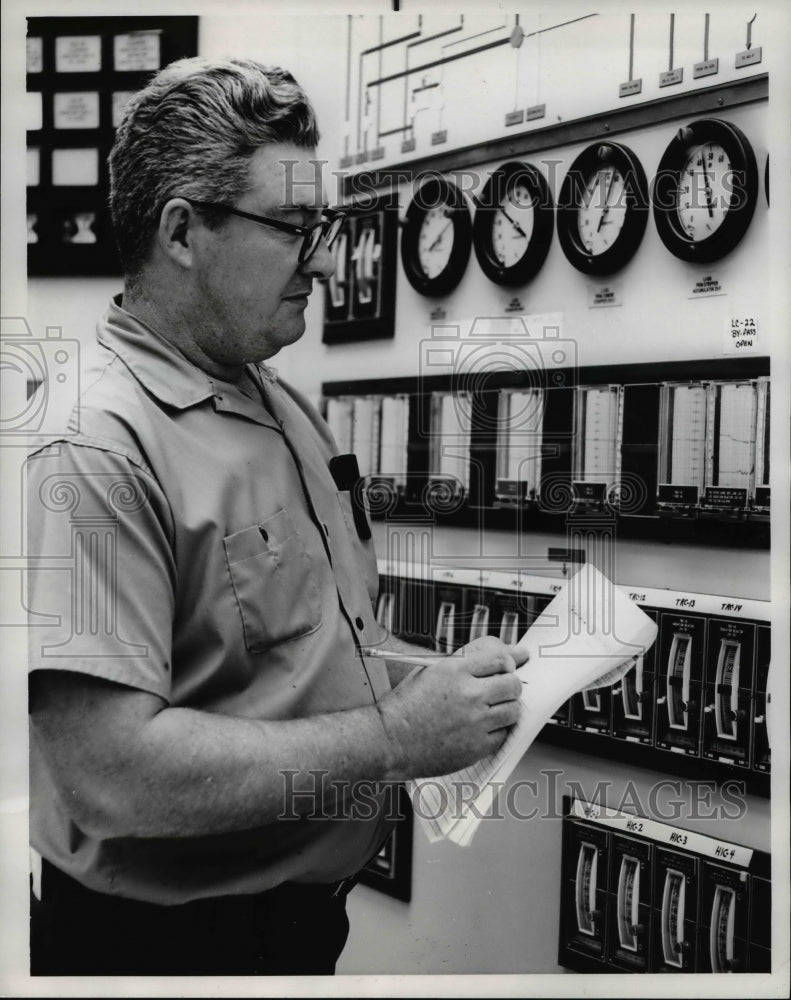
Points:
(669, 450)
(693, 704)
(639, 895)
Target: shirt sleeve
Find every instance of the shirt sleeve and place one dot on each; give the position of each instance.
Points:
(101, 574)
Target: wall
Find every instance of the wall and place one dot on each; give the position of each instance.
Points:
(493, 907)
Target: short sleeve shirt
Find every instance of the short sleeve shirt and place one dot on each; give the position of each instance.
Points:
(186, 538)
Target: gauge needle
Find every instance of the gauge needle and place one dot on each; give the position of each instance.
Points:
(439, 237)
(514, 223)
(708, 187)
(606, 202)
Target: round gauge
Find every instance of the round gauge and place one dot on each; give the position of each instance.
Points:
(513, 224)
(437, 236)
(602, 208)
(705, 190)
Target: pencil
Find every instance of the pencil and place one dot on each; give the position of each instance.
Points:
(389, 654)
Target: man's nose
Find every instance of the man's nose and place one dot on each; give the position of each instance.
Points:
(322, 264)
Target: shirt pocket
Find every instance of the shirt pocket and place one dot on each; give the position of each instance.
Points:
(276, 591)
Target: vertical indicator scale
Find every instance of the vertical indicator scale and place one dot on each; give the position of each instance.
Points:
(585, 888)
(584, 906)
(633, 699)
(728, 699)
(513, 613)
(682, 445)
(675, 903)
(629, 903)
(730, 446)
(365, 433)
(727, 689)
(632, 691)
(479, 626)
(445, 631)
(628, 900)
(449, 448)
(723, 934)
(598, 425)
(385, 611)
(393, 441)
(509, 628)
(519, 420)
(340, 416)
(338, 299)
(674, 896)
(762, 490)
(679, 680)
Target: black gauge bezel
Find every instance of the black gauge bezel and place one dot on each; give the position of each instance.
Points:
(766, 180)
(570, 202)
(496, 188)
(665, 194)
(433, 192)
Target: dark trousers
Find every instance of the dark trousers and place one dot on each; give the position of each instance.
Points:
(290, 930)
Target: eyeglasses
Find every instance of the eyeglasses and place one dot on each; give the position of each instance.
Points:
(327, 228)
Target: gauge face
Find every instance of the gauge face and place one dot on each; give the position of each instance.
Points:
(514, 224)
(602, 208)
(602, 213)
(435, 242)
(705, 191)
(437, 236)
(704, 194)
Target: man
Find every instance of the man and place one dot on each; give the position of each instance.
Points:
(201, 660)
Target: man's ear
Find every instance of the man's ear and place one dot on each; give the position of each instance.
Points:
(176, 234)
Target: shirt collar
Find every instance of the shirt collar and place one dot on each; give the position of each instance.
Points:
(156, 364)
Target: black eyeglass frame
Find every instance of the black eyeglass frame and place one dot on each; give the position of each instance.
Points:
(330, 217)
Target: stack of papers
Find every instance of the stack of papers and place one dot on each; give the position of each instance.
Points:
(590, 635)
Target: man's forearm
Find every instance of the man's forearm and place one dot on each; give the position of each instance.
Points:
(128, 765)
(132, 767)
(232, 774)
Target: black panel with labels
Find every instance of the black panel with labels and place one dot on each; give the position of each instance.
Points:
(672, 426)
(701, 906)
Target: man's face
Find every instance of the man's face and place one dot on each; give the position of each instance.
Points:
(253, 291)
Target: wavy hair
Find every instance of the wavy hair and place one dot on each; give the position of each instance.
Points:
(193, 130)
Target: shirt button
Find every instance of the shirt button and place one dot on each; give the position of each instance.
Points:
(359, 623)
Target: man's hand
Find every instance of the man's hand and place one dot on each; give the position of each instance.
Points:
(453, 712)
